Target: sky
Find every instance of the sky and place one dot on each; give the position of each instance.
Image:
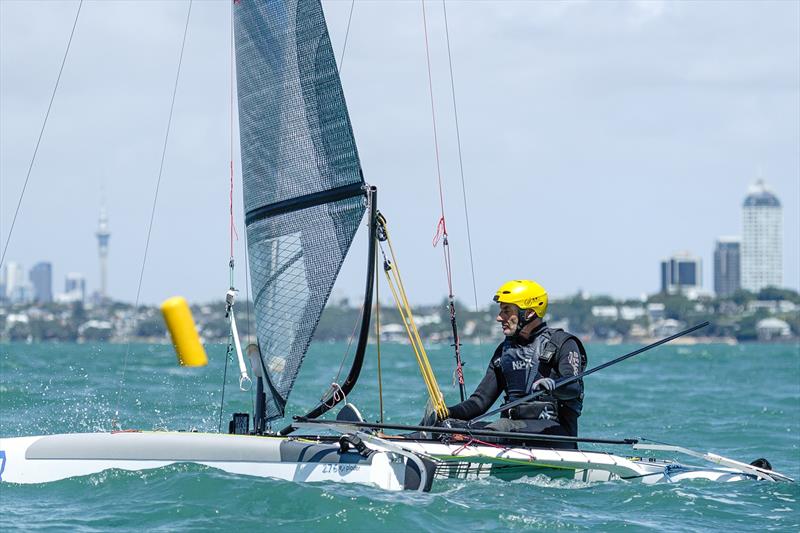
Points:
(597, 138)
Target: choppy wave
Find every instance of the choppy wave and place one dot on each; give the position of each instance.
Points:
(715, 398)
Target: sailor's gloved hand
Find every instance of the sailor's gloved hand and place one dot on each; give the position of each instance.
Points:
(547, 384)
(432, 418)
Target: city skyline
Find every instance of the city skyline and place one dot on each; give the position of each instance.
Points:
(563, 114)
(37, 286)
(680, 273)
(753, 266)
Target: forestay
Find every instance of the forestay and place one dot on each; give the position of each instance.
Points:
(302, 181)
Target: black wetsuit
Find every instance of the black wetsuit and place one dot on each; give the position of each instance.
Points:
(515, 366)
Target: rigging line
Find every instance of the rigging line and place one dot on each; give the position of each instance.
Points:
(155, 202)
(346, 35)
(224, 381)
(460, 159)
(442, 223)
(233, 226)
(350, 342)
(41, 133)
(378, 336)
(247, 287)
(232, 230)
(406, 314)
(408, 322)
(349, 345)
(442, 226)
(246, 251)
(247, 309)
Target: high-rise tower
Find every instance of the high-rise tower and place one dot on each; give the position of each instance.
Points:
(762, 239)
(41, 276)
(103, 236)
(682, 273)
(727, 266)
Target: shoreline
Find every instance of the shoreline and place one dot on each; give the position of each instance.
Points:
(642, 341)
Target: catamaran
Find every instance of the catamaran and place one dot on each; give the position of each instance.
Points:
(305, 197)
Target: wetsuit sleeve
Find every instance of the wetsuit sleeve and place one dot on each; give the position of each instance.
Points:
(481, 400)
(569, 364)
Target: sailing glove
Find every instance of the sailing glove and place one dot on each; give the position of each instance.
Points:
(547, 384)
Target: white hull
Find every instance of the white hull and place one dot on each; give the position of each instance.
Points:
(49, 458)
(390, 464)
(473, 462)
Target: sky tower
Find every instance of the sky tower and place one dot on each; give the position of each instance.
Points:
(102, 247)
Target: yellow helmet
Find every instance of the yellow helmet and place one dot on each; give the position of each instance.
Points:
(525, 294)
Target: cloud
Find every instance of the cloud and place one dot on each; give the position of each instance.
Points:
(626, 130)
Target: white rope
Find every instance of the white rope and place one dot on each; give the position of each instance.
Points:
(245, 383)
(337, 395)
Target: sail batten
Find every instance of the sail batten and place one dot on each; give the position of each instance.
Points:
(302, 181)
(308, 200)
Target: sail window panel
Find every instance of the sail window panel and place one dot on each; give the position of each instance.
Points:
(294, 261)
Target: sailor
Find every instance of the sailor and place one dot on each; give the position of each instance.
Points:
(532, 357)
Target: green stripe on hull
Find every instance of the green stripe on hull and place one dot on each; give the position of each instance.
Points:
(459, 467)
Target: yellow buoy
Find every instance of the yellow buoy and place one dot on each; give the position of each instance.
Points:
(184, 335)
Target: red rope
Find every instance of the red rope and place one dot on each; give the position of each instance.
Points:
(473, 440)
(441, 226)
(433, 114)
(464, 447)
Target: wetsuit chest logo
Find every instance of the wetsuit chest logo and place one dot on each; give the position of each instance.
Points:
(522, 363)
(519, 365)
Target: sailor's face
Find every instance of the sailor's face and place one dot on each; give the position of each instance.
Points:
(508, 318)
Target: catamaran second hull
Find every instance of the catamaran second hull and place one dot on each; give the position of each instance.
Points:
(459, 461)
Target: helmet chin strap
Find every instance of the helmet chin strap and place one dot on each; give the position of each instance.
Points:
(522, 321)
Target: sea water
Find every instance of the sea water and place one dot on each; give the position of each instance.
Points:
(739, 401)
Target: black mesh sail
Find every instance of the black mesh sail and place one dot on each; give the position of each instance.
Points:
(303, 187)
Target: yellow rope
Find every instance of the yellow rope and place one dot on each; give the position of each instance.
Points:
(408, 329)
(401, 300)
(425, 366)
(419, 352)
(378, 335)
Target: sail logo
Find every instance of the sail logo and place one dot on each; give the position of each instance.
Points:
(2, 463)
